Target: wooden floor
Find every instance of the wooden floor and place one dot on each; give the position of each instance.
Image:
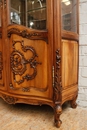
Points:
(27, 117)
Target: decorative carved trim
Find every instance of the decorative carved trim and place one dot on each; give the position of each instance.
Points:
(57, 90)
(9, 100)
(34, 35)
(1, 65)
(57, 79)
(27, 89)
(19, 62)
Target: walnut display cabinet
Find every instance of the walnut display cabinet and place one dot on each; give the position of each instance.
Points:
(39, 52)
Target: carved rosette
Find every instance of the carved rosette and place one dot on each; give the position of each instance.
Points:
(9, 99)
(57, 78)
(1, 65)
(19, 62)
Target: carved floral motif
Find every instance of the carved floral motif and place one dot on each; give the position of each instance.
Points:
(57, 90)
(29, 35)
(57, 80)
(9, 99)
(19, 62)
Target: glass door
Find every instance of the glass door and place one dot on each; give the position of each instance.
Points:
(28, 48)
(69, 15)
(30, 13)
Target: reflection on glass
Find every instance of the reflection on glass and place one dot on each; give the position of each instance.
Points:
(37, 14)
(69, 15)
(30, 13)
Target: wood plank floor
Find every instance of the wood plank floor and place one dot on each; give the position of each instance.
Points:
(27, 117)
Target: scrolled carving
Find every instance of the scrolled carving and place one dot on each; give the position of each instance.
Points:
(29, 35)
(9, 99)
(19, 62)
(25, 89)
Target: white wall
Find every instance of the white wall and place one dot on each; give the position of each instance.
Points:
(82, 97)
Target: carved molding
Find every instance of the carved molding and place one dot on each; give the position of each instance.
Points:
(34, 35)
(9, 99)
(1, 65)
(19, 62)
(57, 79)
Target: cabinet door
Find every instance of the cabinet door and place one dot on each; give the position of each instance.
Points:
(30, 51)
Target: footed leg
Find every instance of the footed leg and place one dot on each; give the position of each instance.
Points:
(73, 102)
(58, 111)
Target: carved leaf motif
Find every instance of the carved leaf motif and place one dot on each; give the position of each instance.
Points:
(57, 82)
(29, 35)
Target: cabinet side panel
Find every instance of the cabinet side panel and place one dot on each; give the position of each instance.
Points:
(69, 63)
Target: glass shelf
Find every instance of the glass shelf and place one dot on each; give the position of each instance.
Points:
(41, 8)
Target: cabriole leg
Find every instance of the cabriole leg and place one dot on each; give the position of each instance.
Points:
(58, 111)
(73, 102)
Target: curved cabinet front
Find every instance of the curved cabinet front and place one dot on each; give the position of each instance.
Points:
(28, 61)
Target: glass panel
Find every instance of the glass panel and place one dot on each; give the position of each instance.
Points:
(37, 14)
(30, 13)
(17, 11)
(69, 15)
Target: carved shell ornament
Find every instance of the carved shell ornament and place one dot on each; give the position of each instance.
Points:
(19, 62)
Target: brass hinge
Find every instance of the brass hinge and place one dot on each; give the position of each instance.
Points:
(53, 75)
